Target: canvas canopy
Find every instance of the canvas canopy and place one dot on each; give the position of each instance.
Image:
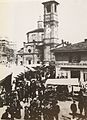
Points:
(30, 68)
(71, 81)
(4, 72)
(5, 77)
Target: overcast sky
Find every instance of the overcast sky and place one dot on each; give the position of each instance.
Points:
(17, 17)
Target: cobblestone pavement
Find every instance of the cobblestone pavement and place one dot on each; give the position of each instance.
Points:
(64, 111)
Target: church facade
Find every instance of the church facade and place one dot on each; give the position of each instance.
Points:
(40, 41)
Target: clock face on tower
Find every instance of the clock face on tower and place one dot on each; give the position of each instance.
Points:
(48, 30)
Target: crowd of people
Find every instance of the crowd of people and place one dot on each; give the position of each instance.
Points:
(33, 92)
(41, 102)
(34, 111)
(81, 106)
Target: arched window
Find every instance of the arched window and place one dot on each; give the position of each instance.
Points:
(29, 50)
(48, 8)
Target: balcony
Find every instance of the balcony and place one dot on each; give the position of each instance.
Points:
(72, 65)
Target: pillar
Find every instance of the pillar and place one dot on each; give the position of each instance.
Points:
(81, 77)
(69, 74)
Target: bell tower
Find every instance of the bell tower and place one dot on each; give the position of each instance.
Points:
(50, 29)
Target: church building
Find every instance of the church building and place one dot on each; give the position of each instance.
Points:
(40, 41)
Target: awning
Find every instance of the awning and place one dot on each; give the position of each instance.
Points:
(6, 82)
(4, 72)
(5, 77)
(30, 68)
(71, 81)
(33, 65)
(72, 65)
(18, 69)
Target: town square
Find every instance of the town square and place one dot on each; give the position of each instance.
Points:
(44, 79)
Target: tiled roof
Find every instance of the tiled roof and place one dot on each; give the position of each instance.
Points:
(36, 30)
(81, 46)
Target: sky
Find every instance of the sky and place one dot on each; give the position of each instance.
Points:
(17, 17)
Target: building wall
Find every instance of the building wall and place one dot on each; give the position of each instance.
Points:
(20, 59)
(28, 48)
(65, 57)
(47, 54)
(6, 52)
(75, 67)
(49, 36)
(31, 52)
(62, 57)
(84, 57)
(50, 30)
(35, 36)
(31, 59)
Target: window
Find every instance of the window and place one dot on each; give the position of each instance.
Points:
(85, 76)
(48, 8)
(55, 8)
(29, 62)
(38, 55)
(21, 62)
(38, 62)
(29, 50)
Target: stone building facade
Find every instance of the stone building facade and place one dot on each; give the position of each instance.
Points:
(31, 53)
(40, 41)
(50, 29)
(71, 61)
(6, 51)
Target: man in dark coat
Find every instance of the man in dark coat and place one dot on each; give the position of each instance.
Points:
(55, 110)
(5, 115)
(47, 112)
(26, 113)
(85, 106)
(81, 102)
(73, 109)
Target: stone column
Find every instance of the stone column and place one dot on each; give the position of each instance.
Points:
(81, 76)
(69, 74)
(57, 70)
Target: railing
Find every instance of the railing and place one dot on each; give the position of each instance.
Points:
(71, 64)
